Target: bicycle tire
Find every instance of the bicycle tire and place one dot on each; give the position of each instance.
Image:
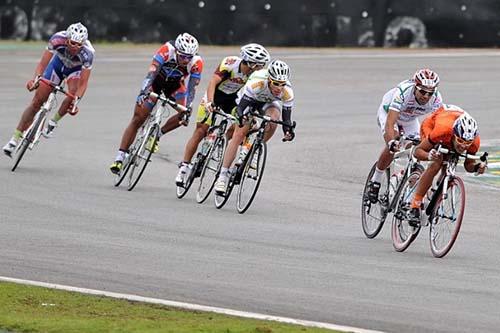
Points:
(28, 138)
(439, 228)
(142, 156)
(221, 200)
(259, 150)
(402, 233)
(371, 224)
(181, 191)
(216, 155)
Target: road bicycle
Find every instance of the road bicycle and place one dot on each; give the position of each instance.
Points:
(403, 165)
(32, 135)
(139, 154)
(208, 161)
(248, 174)
(444, 207)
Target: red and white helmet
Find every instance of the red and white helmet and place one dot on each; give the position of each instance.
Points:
(186, 44)
(426, 78)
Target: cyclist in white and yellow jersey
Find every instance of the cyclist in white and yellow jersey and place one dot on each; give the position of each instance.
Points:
(231, 74)
(269, 91)
(399, 112)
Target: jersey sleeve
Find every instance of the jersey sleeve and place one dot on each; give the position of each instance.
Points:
(56, 40)
(224, 69)
(438, 102)
(196, 68)
(397, 100)
(161, 55)
(288, 97)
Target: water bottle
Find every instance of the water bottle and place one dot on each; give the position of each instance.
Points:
(207, 142)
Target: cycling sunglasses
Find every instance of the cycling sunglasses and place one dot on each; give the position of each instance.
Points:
(255, 65)
(72, 43)
(278, 83)
(184, 56)
(425, 92)
(463, 142)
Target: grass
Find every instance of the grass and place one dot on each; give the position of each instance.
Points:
(36, 309)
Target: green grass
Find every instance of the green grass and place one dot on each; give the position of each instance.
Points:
(36, 309)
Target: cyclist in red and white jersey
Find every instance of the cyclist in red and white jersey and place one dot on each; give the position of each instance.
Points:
(172, 64)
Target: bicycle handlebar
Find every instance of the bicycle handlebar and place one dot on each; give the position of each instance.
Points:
(270, 120)
(170, 101)
(56, 87)
(482, 158)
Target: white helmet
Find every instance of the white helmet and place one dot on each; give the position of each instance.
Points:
(77, 33)
(255, 53)
(187, 44)
(278, 71)
(426, 78)
(465, 127)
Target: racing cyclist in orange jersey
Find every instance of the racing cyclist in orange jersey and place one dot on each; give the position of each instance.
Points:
(172, 63)
(399, 111)
(268, 91)
(69, 56)
(454, 129)
(231, 74)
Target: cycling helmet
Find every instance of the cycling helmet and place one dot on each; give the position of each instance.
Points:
(186, 44)
(465, 127)
(77, 33)
(255, 53)
(278, 71)
(426, 78)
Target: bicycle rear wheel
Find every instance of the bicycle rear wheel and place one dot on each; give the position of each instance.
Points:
(142, 156)
(211, 169)
(373, 215)
(447, 218)
(252, 176)
(402, 233)
(29, 137)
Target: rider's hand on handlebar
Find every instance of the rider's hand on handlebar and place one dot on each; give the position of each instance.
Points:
(393, 145)
(289, 133)
(185, 116)
(242, 119)
(32, 84)
(143, 96)
(480, 168)
(210, 106)
(72, 107)
(433, 155)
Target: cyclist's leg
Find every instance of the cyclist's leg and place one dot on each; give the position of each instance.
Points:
(72, 80)
(273, 111)
(179, 92)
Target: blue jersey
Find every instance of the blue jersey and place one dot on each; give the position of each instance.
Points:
(83, 59)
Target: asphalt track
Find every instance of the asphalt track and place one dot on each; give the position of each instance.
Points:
(299, 251)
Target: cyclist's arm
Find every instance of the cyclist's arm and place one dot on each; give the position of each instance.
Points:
(192, 83)
(83, 82)
(245, 102)
(422, 150)
(154, 69)
(40, 68)
(392, 118)
(214, 81)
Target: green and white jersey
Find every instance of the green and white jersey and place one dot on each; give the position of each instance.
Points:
(402, 99)
(257, 89)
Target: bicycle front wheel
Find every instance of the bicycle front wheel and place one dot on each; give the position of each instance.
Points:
(446, 219)
(181, 191)
(142, 156)
(402, 233)
(211, 169)
(252, 176)
(29, 137)
(373, 215)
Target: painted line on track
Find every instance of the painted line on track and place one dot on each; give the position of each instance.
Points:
(190, 306)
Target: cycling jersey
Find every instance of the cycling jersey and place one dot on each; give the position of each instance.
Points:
(257, 92)
(402, 99)
(83, 59)
(438, 128)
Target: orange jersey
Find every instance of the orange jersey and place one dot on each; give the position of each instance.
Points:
(438, 128)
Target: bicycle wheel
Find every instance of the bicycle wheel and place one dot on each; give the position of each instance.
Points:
(126, 163)
(181, 191)
(220, 200)
(373, 215)
(446, 218)
(141, 157)
(211, 169)
(252, 176)
(402, 233)
(29, 138)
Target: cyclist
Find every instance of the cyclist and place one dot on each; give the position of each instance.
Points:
(399, 112)
(172, 63)
(269, 91)
(231, 74)
(68, 56)
(454, 129)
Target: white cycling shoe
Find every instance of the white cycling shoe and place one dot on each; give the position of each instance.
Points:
(220, 187)
(10, 147)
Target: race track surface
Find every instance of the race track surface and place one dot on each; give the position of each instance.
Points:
(299, 251)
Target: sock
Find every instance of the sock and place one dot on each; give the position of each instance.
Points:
(377, 175)
(17, 135)
(56, 117)
(417, 201)
(120, 156)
